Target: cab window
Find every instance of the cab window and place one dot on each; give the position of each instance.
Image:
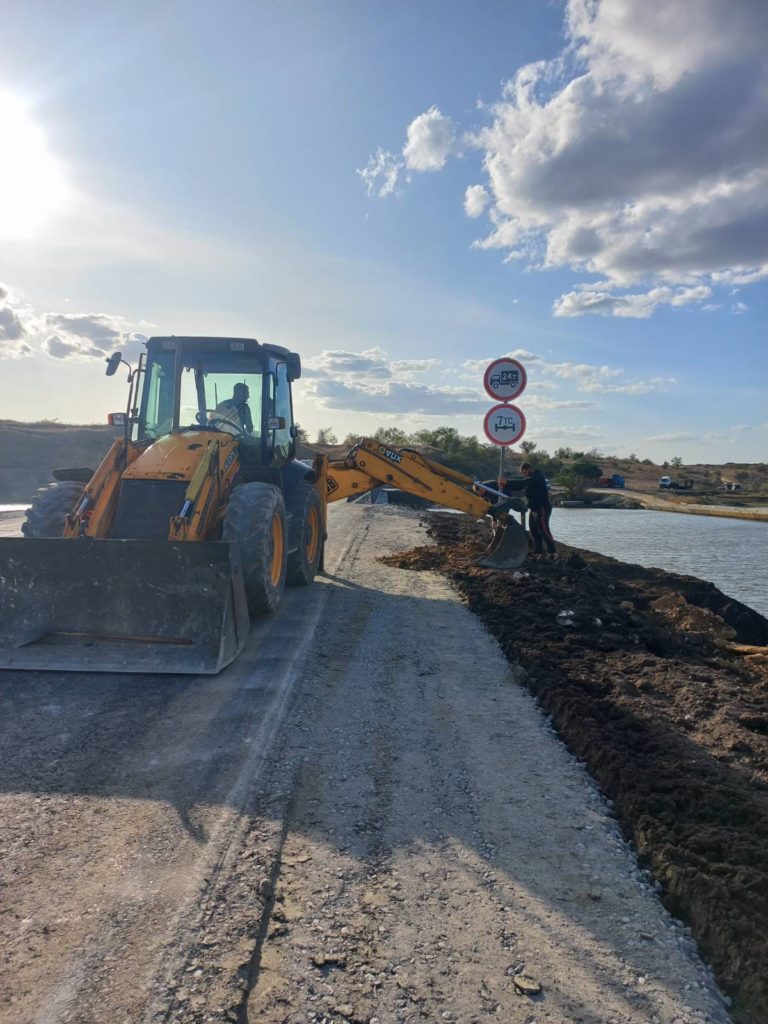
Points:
(283, 440)
(156, 415)
(222, 397)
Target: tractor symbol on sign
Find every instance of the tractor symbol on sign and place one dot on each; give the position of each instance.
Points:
(505, 379)
(506, 422)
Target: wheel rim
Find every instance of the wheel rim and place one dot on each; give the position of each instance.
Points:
(313, 534)
(276, 566)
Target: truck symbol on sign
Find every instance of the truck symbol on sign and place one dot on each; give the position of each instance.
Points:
(505, 379)
(506, 422)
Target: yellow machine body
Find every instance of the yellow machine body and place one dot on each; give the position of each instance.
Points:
(93, 602)
(196, 517)
(206, 460)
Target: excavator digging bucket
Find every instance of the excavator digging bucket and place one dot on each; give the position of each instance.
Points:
(508, 548)
(87, 605)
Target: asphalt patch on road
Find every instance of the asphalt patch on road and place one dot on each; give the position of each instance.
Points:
(657, 682)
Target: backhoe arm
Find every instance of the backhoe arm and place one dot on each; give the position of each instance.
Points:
(371, 464)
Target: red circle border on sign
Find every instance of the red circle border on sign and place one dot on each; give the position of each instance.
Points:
(523, 424)
(523, 378)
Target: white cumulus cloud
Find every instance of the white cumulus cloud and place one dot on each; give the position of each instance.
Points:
(381, 174)
(627, 169)
(431, 139)
(638, 305)
(86, 336)
(83, 336)
(16, 321)
(639, 154)
(476, 199)
(664, 38)
(370, 362)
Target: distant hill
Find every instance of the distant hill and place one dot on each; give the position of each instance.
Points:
(29, 451)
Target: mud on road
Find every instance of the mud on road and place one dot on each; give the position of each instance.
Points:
(659, 683)
(366, 819)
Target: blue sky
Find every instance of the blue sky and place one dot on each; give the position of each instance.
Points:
(401, 193)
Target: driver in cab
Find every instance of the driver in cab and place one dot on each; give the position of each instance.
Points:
(236, 409)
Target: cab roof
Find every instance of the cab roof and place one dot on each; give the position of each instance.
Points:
(203, 344)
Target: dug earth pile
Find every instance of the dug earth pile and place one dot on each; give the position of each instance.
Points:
(659, 683)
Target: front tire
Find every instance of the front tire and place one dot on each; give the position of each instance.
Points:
(307, 535)
(255, 519)
(50, 508)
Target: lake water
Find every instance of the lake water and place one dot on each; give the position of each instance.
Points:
(731, 553)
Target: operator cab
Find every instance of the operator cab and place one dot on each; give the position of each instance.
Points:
(228, 385)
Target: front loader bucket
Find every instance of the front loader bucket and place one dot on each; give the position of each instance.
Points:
(86, 605)
(509, 547)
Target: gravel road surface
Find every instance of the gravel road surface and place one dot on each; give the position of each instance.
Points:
(364, 819)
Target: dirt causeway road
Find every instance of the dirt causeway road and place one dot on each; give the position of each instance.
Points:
(365, 819)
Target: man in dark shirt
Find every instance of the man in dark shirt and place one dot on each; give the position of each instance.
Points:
(540, 508)
(236, 408)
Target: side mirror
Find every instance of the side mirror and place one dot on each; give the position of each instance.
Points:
(293, 365)
(116, 419)
(276, 423)
(113, 362)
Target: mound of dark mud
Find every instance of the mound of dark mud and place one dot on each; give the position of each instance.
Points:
(654, 681)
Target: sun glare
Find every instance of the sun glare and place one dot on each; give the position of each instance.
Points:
(32, 185)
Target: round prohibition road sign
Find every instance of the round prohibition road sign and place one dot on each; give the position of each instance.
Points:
(505, 379)
(504, 424)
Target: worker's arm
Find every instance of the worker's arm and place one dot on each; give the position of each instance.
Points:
(485, 488)
(509, 486)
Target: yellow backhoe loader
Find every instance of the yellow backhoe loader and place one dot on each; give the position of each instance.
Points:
(196, 519)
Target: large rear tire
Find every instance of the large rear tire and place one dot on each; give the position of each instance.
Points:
(50, 507)
(255, 519)
(306, 535)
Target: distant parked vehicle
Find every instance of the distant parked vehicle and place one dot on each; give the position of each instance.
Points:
(666, 483)
(617, 480)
